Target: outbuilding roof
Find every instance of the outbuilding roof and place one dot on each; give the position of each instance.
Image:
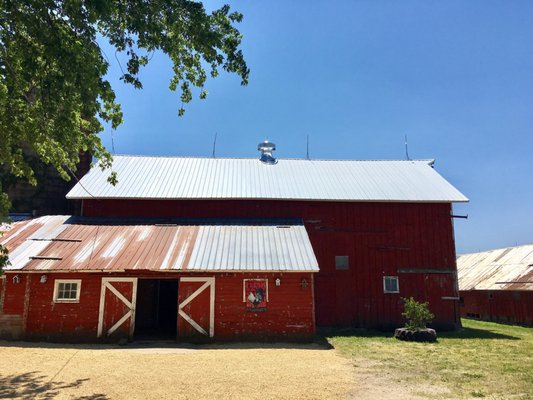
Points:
(143, 177)
(509, 268)
(64, 243)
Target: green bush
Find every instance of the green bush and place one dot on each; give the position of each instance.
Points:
(417, 314)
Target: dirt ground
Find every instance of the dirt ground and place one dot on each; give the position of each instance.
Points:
(171, 371)
(375, 382)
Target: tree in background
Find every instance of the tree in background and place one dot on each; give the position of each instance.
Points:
(53, 91)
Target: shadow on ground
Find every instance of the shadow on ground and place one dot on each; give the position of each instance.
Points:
(318, 344)
(32, 385)
(473, 333)
(352, 332)
(463, 333)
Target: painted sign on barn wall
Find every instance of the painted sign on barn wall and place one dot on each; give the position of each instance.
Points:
(255, 294)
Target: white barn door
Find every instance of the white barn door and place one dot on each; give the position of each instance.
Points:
(196, 307)
(117, 307)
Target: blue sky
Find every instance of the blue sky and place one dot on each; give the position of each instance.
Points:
(456, 77)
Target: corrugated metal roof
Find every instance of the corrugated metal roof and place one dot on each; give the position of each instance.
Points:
(28, 238)
(510, 268)
(142, 177)
(64, 243)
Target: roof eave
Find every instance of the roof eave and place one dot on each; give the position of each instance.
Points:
(457, 200)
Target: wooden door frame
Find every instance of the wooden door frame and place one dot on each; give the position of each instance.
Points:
(106, 285)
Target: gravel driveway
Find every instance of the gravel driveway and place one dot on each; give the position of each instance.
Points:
(170, 371)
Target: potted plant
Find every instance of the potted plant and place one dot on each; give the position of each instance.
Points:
(417, 316)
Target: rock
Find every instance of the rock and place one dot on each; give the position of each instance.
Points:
(416, 335)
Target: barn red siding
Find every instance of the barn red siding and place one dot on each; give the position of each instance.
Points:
(10, 324)
(14, 294)
(63, 321)
(506, 306)
(379, 239)
(289, 313)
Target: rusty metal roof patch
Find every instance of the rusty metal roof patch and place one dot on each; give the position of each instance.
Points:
(501, 269)
(80, 244)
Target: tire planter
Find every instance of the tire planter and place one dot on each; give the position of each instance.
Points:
(416, 335)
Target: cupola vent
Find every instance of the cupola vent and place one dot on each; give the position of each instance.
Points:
(266, 148)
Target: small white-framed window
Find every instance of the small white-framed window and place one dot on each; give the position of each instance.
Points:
(342, 262)
(390, 284)
(67, 290)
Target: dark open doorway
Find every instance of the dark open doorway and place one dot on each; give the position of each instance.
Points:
(157, 309)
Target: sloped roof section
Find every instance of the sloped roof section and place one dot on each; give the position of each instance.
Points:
(25, 239)
(509, 268)
(142, 177)
(63, 243)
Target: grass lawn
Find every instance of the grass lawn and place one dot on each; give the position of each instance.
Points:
(483, 360)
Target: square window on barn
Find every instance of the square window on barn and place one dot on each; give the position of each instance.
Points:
(67, 291)
(390, 284)
(342, 262)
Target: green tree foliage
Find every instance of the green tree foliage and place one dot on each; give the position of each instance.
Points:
(416, 314)
(54, 95)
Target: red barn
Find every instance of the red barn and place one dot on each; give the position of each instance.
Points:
(236, 249)
(497, 285)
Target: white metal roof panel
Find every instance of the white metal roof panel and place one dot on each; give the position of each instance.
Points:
(256, 248)
(509, 268)
(144, 177)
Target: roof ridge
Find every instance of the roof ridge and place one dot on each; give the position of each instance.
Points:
(277, 158)
(496, 249)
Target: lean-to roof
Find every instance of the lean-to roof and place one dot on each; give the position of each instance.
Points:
(63, 243)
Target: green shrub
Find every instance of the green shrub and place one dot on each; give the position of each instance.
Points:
(417, 314)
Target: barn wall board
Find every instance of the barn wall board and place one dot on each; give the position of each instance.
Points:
(505, 306)
(14, 294)
(380, 239)
(288, 314)
(10, 324)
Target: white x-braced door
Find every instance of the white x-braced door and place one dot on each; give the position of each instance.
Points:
(196, 307)
(117, 307)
